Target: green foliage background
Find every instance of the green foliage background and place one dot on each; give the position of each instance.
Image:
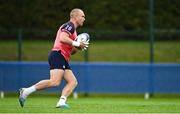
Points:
(100, 14)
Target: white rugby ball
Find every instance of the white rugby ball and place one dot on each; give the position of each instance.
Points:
(83, 37)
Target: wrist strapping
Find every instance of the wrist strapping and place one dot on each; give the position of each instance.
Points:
(75, 43)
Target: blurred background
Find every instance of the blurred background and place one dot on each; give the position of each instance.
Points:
(135, 44)
(124, 24)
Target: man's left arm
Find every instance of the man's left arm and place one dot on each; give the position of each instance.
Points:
(74, 50)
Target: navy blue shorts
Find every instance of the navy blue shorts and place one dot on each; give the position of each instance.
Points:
(57, 61)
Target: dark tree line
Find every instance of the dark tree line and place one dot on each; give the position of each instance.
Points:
(114, 15)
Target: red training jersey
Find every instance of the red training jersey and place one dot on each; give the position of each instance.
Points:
(65, 48)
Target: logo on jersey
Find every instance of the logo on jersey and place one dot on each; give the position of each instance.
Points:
(68, 27)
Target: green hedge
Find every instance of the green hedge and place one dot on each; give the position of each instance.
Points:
(100, 14)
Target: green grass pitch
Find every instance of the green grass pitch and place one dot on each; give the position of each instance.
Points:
(108, 104)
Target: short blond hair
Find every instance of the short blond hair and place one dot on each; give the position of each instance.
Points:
(74, 12)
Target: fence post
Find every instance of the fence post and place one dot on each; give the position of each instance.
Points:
(151, 30)
(1, 84)
(20, 45)
(86, 56)
(86, 59)
(151, 41)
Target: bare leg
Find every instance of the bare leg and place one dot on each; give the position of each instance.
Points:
(71, 83)
(55, 79)
(67, 90)
(56, 76)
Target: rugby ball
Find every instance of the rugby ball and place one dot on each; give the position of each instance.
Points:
(83, 37)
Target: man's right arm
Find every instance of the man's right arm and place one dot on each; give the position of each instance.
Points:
(64, 38)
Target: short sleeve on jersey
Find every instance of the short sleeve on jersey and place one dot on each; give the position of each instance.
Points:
(68, 27)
